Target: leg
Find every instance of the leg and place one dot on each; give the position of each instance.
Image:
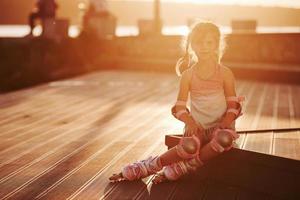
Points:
(181, 159)
(138, 170)
(32, 17)
(187, 148)
(176, 170)
(116, 177)
(85, 20)
(221, 140)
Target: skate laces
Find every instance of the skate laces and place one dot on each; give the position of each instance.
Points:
(146, 167)
(152, 164)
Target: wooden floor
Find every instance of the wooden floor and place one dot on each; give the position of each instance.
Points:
(64, 139)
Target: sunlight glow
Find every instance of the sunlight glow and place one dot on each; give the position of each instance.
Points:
(273, 3)
(22, 30)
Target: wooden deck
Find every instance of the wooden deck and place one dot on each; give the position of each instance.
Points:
(62, 140)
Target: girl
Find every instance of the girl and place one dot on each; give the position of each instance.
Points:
(209, 125)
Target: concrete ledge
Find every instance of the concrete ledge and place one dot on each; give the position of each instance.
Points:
(285, 73)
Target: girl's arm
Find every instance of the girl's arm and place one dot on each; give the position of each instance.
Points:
(180, 107)
(229, 90)
(180, 110)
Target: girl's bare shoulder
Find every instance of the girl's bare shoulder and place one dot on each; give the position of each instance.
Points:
(187, 74)
(227, 72)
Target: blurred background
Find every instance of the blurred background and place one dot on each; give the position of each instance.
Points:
(262, 36)
(271, 15)
(88, 92)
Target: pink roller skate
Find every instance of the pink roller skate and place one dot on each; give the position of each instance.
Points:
(176, 170)
(138, 170)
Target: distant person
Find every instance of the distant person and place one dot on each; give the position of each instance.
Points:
(209, 118)
(43, 9)
(97, 8)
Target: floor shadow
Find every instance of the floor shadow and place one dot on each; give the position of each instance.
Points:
(126, 190)
(162, 190)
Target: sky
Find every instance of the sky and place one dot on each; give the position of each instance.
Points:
(281, 3)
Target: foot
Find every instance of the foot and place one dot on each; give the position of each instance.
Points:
(176, 170)
(116, 178)
(159, 178)
(142, 168)
(30, 35)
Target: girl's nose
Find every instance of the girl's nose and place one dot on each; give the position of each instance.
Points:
(205, 45)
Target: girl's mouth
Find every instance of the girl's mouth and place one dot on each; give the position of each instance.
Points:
(204, 52)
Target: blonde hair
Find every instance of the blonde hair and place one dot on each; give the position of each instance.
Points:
(199, 29)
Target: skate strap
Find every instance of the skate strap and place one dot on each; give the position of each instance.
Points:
(236, 111)
(180, 103)
(235, 99)
(215, 144)
(181, 112)
(181, 152)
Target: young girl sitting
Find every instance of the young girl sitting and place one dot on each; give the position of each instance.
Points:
(214, 106)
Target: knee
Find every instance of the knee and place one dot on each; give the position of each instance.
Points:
(222, 141)
(188, 147)
(30, 16)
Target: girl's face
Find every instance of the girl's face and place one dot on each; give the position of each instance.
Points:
(205, 47)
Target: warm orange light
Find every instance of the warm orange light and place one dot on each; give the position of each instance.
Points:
(280, 3)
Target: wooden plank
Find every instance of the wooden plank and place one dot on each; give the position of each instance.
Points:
(294, 92)
(266, 116)
(36, 170)
(40, 127)
(218, 191)
(18, 102)
(247, 89)
(73, 92)
(115, 191)
(244, 122)
(17, 106)
(74, 87)
(44, 149)
(126, 190)
(250, 195)
(147, 190)
(259, 142)
(274, 176)
(47, 166)
(287, 145)
(283, 108)
(264, 169)
(242, 89)
(72, 114)
(47, 129)
(39, 104)
(188, 188)
(159, 191)
(154, 191)
(45, 113)
(249, 106)
(137, 136)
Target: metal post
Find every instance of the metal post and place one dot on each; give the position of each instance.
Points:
(157, 19)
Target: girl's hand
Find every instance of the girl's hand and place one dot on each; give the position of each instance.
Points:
(192, 128)
(225, 124)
